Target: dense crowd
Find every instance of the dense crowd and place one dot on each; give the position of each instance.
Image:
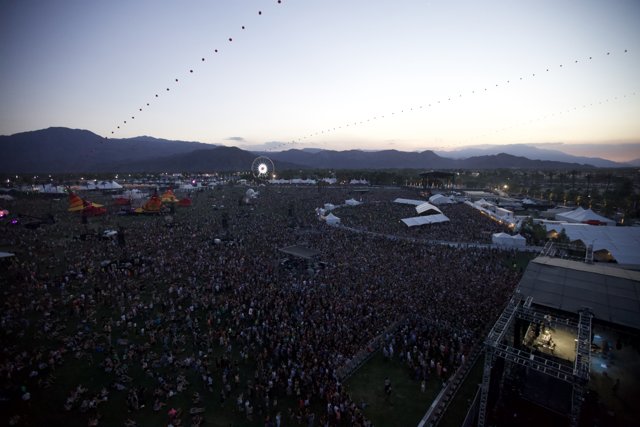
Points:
(177, 327)
(465, 223)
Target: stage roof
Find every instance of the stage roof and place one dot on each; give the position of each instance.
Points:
(300, 251)
(622, 242)
(612, 294)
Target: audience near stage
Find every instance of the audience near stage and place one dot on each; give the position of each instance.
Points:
(172, 314)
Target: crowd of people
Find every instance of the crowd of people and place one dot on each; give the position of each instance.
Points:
(465, 223)
(193, 322)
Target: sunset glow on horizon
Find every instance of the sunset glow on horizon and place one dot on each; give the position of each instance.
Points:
(407, 75)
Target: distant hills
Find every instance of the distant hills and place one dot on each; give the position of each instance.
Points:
(63, 150)
(393, 159)
(530, 152)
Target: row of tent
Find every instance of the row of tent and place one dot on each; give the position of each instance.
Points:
(153, 205)
(309, 181)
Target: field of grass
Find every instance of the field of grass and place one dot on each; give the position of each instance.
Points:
(406, 405)
(457, 410)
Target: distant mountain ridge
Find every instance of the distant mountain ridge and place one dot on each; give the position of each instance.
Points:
(393, 159)
(63, 150)
(530, 152)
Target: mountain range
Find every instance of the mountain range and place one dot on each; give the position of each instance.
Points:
(63, 150)
(529, 151)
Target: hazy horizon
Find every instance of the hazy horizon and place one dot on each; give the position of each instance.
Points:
(408, 75)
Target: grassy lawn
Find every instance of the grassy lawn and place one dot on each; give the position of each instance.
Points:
(457, 410)
(407, 404)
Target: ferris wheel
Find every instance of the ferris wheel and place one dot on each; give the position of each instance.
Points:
(262, 168)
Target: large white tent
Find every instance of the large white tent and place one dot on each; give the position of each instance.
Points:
(329, 206)
(132, 194)
(621, 242)
(439, 199)
(103, 185)
(422, 220)
(507, 240)
(352, 202)
(584, 215)
(408, 202)
(428, 209)
(331, 219)
(50, 189)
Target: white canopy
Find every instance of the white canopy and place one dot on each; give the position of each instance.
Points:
(622, 242)
(483, 203)
(352, 202)
(422, 220)
(6, 254)
(504, 239)
(439, 199)
(331, 219)
(293, 181)
(427, 208)
(583, 215)
(408, 202)
(329, 206)
(103, 185)
(51, 189)
(359, 182)
(132, 194)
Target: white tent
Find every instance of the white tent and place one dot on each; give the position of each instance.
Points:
(507, 240)
(187, 187)
(51, 189)
(439, 199)
(6, 254)
(584, 215)
(133, 194)
(482, 203)
(408, 202)
(622, 242)
(331, 219)
(103, 185)
(329, 206)
(278, 181)
(359, 182)
(422, 220)
(352, 202)
(302, 181)
(427, 208)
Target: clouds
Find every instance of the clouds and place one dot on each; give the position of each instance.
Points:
(236, 139)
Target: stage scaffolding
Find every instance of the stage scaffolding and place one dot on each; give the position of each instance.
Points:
(497, 346)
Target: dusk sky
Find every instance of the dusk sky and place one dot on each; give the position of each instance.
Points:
(306, 67)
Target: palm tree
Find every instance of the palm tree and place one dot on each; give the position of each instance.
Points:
(573, 174)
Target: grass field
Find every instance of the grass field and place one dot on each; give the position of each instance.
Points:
(457, 410)
(406, 405)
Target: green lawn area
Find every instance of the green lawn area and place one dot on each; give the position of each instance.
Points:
(406, 406)
(457, 410)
